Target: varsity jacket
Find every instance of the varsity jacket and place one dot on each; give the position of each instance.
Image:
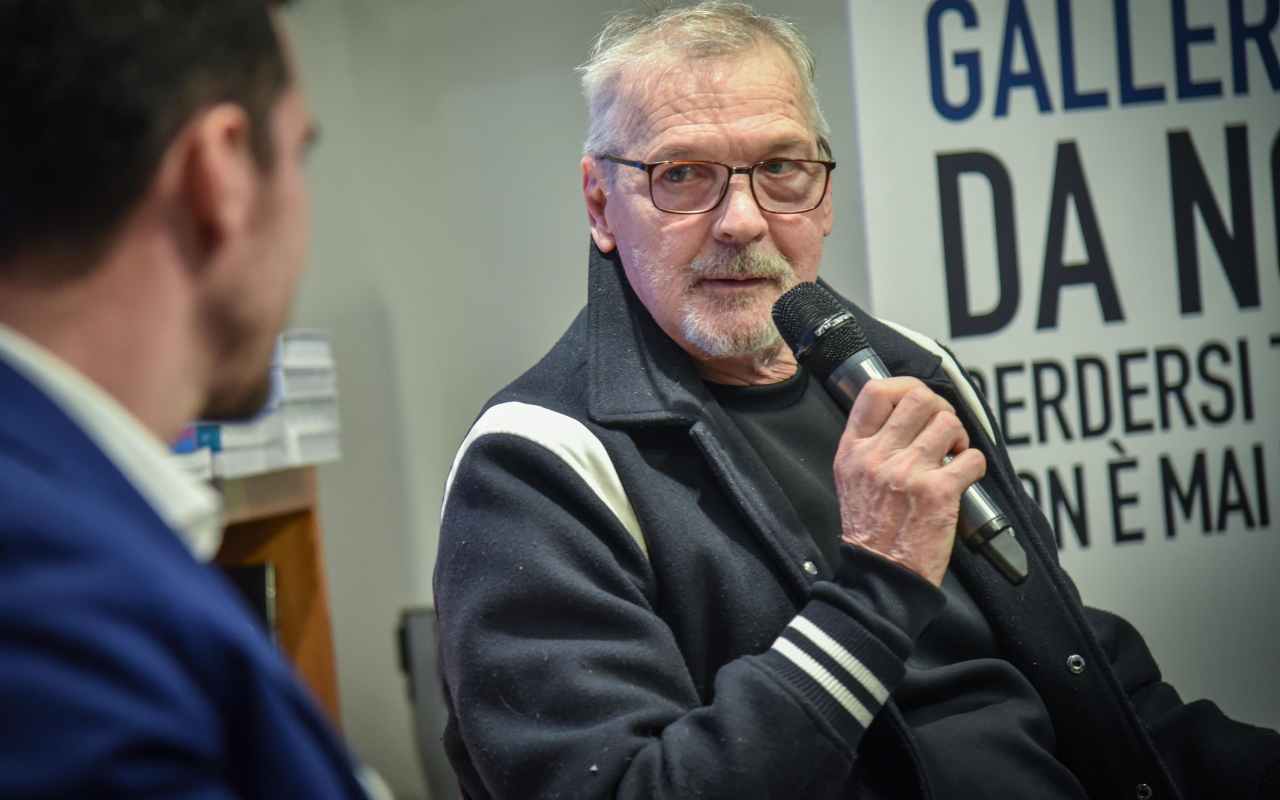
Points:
(630, 607)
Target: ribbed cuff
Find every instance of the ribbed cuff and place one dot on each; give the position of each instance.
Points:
(844, 671)
(892, 601)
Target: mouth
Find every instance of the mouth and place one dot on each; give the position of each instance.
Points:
(735, 282)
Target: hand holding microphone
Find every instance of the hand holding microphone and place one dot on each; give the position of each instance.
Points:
(905, 476)
(899, 494)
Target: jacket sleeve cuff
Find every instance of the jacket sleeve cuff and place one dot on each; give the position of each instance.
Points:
(846, 651)
(895, 601)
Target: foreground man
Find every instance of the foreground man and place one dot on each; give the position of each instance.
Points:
(669, 567)
(153, 226)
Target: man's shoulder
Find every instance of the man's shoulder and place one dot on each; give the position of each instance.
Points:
(89, 563)
(66, 499)
(542, 421)
(113, 637)
(83, 583)
(81, 556)
(96, 588)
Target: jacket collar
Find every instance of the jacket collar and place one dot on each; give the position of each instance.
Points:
(190, 507)
(639, 376)
(37, 434)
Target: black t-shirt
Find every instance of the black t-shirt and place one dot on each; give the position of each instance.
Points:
(982, 728)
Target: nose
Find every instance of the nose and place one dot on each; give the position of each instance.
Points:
(739, 220)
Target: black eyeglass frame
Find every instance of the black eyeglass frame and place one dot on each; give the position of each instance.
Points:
(749, 171)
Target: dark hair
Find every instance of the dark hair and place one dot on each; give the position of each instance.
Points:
(92, 92)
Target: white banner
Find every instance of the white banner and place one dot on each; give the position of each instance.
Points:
(1081, 198)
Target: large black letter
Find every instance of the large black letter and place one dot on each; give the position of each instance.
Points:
(1232, 496)
(1059, 502)
(1120, 501)
(950, 167)
(1049, 399)
(1087, 428)
(1260, 478)
(1238, 251)
(1069, 182)
(1176, 387)
(1197, 486)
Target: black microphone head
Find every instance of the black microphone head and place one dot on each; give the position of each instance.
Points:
(818, 328)
(835, 347)
(800, 310)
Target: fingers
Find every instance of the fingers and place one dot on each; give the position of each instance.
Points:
(966, 469)
(897, 411)
(944, 434)
(899, 495)
(880, 400)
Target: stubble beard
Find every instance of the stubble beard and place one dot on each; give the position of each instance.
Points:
(734, 325)
(241, 402)
(241, 384)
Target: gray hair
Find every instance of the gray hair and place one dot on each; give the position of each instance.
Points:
(708, 29)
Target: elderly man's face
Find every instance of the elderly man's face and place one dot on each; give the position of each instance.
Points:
(710, 280)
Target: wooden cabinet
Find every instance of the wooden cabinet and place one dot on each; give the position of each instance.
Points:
(274, 518)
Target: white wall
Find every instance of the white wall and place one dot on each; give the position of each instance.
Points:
(449, 254)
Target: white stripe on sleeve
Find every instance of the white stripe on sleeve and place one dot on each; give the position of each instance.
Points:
(568, 439)
(843, 657)
(826, 680)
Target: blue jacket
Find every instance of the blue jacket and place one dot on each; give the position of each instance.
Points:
(630, 607)
(127, 668)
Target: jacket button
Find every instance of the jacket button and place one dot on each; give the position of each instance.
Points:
(810, 568)
(1075, 663)
(1144, 792)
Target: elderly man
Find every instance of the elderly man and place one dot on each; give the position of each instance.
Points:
(671, 567)
(153, 227)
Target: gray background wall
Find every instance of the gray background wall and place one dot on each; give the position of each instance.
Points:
(449, 254)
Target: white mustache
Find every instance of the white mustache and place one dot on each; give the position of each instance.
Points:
(741, 264)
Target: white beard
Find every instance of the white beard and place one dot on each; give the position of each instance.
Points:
(731, 329)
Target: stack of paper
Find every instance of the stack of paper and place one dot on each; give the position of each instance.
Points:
(298, 426)
(308, 400)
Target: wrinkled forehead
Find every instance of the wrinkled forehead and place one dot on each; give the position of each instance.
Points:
(678, 96)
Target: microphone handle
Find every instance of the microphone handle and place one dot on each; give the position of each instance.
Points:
(982, 525)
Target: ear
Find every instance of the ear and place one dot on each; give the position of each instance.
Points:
(219, 178)
(594, 182)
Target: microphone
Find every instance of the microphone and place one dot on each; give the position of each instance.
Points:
(828, 340)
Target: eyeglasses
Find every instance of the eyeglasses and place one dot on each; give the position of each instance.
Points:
(779, 185)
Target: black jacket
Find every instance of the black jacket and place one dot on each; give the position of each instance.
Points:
(629, 606)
